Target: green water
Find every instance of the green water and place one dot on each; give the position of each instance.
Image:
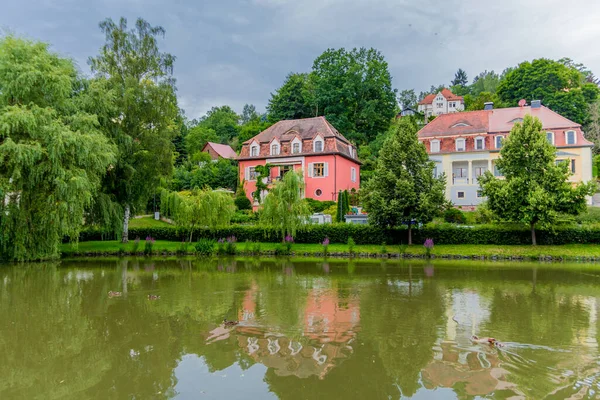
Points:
(308, 330)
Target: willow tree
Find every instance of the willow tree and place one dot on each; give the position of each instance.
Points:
(535, 189)
(142, 121)
(52, 155)
(199, 208)
(283, 208)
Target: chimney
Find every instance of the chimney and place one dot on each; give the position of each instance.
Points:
(536, 103)
(489, 105)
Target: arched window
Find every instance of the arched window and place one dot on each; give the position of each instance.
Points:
(253, 151)
(275, 149)
(318, 145)
(570, 137)
(295, 148)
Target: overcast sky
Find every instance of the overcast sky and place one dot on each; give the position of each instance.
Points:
(239, 51)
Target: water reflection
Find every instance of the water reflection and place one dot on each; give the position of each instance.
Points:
(306, 330)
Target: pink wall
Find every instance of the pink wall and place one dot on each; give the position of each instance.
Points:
(338, 177)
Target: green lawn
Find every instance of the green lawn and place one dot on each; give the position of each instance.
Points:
(147, 222)
(572, 251)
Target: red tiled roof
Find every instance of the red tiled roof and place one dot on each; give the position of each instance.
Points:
(501, 119)
(223, 150)
(428, 99)
(457, 124)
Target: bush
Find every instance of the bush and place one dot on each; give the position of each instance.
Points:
(483, 215)
(205, 247)
(454, 216)
(498, 234)
(242, 202)
(592, 216)
(149, 245)
(317, 206)
(351, 244)
(244, 217)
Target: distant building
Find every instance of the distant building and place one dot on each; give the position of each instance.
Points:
(328, 160)
(217, 151)
(444, 102)
(466, 145)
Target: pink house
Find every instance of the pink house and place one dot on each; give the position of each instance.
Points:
(328, 160)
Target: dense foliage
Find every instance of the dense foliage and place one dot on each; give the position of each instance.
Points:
(141, 121)
(52, 152)
(534, 189)
(403, 189)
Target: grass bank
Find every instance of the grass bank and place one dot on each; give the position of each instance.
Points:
(584, 252)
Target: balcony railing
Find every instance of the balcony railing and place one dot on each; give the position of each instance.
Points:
(460, 181)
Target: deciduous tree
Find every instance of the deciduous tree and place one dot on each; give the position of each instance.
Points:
(460, 78)
(290, 100)
(403, 189)
(52, 153)
(142, 122)
(534, 189)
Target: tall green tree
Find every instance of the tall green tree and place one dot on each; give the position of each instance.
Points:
(460, 78)
(407, 98)
(197, 137)
(223, 121)
(354, 92)
(485, 82)
(142, 122)
(248, 114)
(283, 208)
(534, 189)
(52, 153)
(558, 86)
(403, 189)
(292, 100)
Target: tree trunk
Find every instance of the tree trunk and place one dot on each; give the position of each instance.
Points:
(533, 241)
(409, 234)
(125, 238)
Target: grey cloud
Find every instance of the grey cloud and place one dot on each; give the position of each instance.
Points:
(237, 52)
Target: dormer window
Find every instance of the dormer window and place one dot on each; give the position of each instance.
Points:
(318, 145)
(458, 125)
(570, 137)
(275, 149)
(479, 143)
(460, 144)
(253, 150)
(516, 120)
(295, 148)
(435, 146)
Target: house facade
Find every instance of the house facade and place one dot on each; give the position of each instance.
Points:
(217, 151)
(326, 158)
(444, 102)
(466, 145)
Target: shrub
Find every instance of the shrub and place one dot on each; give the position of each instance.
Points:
(205, 247)
(182, 248)
(243, 217)
(592, 216)
(136, 245)
(454, 216)
(149, 245)
(483, 215)
(383, 248)
(351, 244)
(317, 206)
(230, 245)
(242, 202)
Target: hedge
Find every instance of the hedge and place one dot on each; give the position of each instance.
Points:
(367, 234)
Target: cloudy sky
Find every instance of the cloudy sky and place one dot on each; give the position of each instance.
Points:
(239, 51)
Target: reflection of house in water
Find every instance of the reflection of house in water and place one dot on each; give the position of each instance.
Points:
(329, 325)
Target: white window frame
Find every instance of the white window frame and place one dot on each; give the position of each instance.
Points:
(482, 142)
(296, 141)
(567, 137)
(498, 144)
(250, 171)
(318, 195)
(551, 137)
(479, 194)
(318, 139)
(353, 174)
(275, 145)
(311, 170)
(458, 196)
(254, 150)
(431, 147)
(464, 146)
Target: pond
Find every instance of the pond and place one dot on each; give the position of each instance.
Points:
(307, 330)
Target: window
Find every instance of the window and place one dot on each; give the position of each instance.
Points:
(479, 143)
(435, 173)
(440, 105)
(460, 144)
(295, 148)
(274, 149)
(497, 171)
(480, 171)
(460, 195)
(252, 174)
(550, 137)
(318, 192)
(460, 172)
(570, 137)
(499, 140)
(318, 170)
(284, 169)
(254, 151)
(318, 145)
(353, 174)
(573, 166)
(479, 193)
(435, 146)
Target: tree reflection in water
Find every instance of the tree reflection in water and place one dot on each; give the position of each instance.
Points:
(359, 329)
